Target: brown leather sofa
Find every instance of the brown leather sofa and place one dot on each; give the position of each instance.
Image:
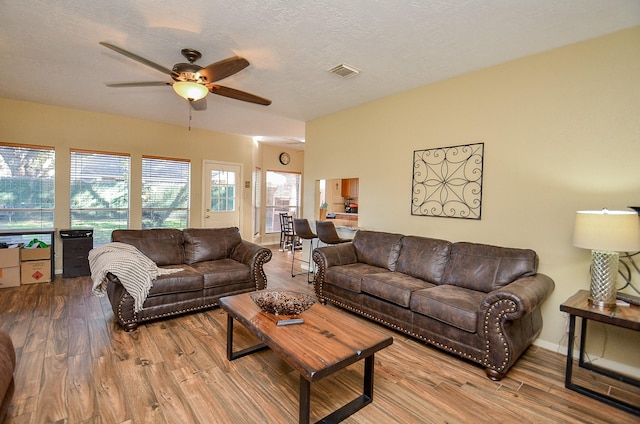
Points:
(215, 262)
(477, 301)
(7, 366)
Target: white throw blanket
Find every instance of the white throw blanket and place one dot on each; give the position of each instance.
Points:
(135, 271)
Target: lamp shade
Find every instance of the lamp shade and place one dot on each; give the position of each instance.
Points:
(605, 230)
(190, 90)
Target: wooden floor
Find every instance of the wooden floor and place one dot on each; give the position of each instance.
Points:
(75, 365)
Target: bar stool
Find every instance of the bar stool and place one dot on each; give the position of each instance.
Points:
(287, 234)
(302, 230)
(327, 233)
(280, 215)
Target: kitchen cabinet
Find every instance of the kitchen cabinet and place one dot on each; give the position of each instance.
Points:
(350, 187)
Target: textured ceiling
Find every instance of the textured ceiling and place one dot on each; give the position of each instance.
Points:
(49, 51)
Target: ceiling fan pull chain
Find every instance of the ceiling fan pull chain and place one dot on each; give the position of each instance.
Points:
(189, 106)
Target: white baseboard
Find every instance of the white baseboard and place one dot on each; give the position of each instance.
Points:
(627, 370)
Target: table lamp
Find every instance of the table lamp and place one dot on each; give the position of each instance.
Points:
(606, 233)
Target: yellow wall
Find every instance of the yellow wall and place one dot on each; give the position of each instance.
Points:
(561, 132)
(65, 129)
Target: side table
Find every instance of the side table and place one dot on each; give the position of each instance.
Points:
(578, 305)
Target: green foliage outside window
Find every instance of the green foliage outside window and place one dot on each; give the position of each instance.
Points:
(27, 187)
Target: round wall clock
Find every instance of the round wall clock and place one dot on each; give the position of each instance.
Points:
(285, 158)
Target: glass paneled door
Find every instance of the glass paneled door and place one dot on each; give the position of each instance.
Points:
(222, 192)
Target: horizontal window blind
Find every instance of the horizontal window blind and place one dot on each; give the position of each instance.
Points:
(27, 186)
(257, 200)
(283, 196)
(165, 192)
(99, 192)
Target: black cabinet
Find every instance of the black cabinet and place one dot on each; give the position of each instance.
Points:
(76, 245)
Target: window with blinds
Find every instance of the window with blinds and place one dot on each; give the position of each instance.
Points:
(99, 192)
(165, 192)
(27, 186)
(257, 200)
(283, 196)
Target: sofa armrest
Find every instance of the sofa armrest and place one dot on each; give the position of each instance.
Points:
(7, 368)
(328, 256)
(510, 320)
(254, 256)
(336, 254)
(523, 295)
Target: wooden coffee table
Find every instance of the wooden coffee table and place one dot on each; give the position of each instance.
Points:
(327, 341)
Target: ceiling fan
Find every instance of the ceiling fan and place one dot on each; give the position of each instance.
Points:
(193, 82)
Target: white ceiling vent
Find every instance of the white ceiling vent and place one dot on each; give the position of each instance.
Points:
(344, 70)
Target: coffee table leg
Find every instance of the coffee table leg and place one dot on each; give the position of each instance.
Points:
(367, 391)
(355, 405)
(305, 401)
(231, 355)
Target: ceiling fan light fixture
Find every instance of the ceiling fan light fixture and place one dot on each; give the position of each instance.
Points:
(191, 91)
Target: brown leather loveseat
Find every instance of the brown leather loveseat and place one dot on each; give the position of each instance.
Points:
(476, 301)
(215, 262)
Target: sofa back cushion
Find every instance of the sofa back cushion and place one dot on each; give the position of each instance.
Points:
(485, 268)
(377, 248)
(209, 244)
(424, 258)
(164, 246)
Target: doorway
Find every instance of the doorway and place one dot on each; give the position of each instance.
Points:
(222, 194)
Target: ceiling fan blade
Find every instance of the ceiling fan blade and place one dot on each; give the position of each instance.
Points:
(238, 95)
(139, 84)
(199, 104)
(139, 59)
(223, 68)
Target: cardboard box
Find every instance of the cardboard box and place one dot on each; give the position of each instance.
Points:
(35, 272)
(10, 257)
(36, 254)
(9, 277)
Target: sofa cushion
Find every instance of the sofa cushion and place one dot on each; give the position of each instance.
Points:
(485, 268)
(164, 246)
(209, 244)
(187, 280)
(452, 305)
(349, 276)
(393, 286)
(424, 258)
(377, 248)
(222, 272)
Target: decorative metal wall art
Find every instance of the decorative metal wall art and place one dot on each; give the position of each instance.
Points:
(447, 181)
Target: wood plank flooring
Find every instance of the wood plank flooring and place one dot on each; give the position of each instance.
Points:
(75, 365)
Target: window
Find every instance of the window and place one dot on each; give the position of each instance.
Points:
(27, 186)
(99, 192)
(165, 193)
(223, 191)
(283, 196)
(257, 201)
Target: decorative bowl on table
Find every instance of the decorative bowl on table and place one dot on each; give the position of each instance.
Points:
(283, 302)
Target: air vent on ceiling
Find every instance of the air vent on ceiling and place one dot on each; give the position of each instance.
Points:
(344, 70)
